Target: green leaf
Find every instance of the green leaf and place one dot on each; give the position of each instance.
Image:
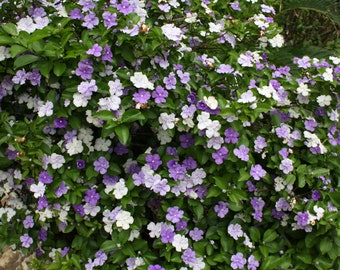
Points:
(244, 175)
(123, 134)
(214, 192)
(25, 60)
(132, 115)
(269, 235)
(319, 172)
(108, 245)
(237, 195)
(10, 28)
(76, 261)
(17, 49)
(45, 68)
(290, 179)
(255, 234)
(39, 34)
(59, 68)
(221, 182)
(6, 40)
(305, 257)
(104, 115)
(325, 245)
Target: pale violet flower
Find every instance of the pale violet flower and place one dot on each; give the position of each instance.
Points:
(140, 80)
(155, 229)
(80, 100)
(45, 109)
(247, 97)
(172, 32)
(91, 209)
(167, 120)
(26, 24)
(116, 87)
(124, 219)
(56, 161)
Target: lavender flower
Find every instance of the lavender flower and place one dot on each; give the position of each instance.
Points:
(155, 267)
(45, 178)
(101, 165)
(28, 222)
(174, 214)
(26, 240)
(220, 155)
(231, 136)
(153, 161)
(221, 208)
(85, 69)
(91, 196)
(142, 96)
(196, 234)
(242, 152)
(258, 205)
(316, 195)
(186, 140)
(257, 172)
(159, 94)
(302, 218)
(253, 264)
(237, 261)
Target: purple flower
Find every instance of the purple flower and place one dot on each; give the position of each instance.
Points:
(220, 155)
(121, 149)
(174, 214)
(176, 171)
(237, 261)
(126, 7)
(34, 77)
(109, 19)
(302, 218)
(91, 196)
(284, 152)
(101, 165)
(231, 136)
(87, 88)
(242, 152)
(186, 140)
(184, 76)
(283, 131)
(90, 20)
(100, 258)
(252, 263)
(221, 208)
(310, 124)
(196, 234)
(191, 98)
(96, 50)
(189, 256)
(182, 225)
(42, 235)
(42, 203)
(316, 195)
(45, 178)
(235, 231)
(28, 222)
(78, 208)
(155, 267)
(167, 234)
(76, 14)
(142, 96)
(20, 77)
(60, 122)
(153, 161)
(85, 69)
(286, 166)
(61, 190)
(189, 163)
(259, 144)
(80, 164)
(170, 81)
(258, 205)
(26, 240)
(159, 94)
(107, 54)
(257, 172)
(235, 6)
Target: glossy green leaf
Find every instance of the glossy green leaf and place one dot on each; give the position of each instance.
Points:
(123, 134)
(25, 60)
(132, 115)
(10, 28)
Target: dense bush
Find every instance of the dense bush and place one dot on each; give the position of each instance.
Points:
(162, 135)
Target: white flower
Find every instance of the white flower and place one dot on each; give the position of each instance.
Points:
(111, 103)
(333, 115)
(277, 41)
(140, 80)
(212, 129)
(266, 91)
(328, 75)
(247, 97)
(324, 100)
(74, 147)
(335, 60)
(4, 53)
(56, 161)
(102, 145)
(80, 100)
(215, 28)
(235, 231)
(38, 189)
(279, 184)
(260, 21)
(211, 102)
(167, 120)
(120, 190)
(116, 87)
(319, 212)
(180, 242)
(124, 219)
(203, 120)
(172, 32)
(303, 90)
(191, 17)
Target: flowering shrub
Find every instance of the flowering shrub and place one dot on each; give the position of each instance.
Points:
(162, 135)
